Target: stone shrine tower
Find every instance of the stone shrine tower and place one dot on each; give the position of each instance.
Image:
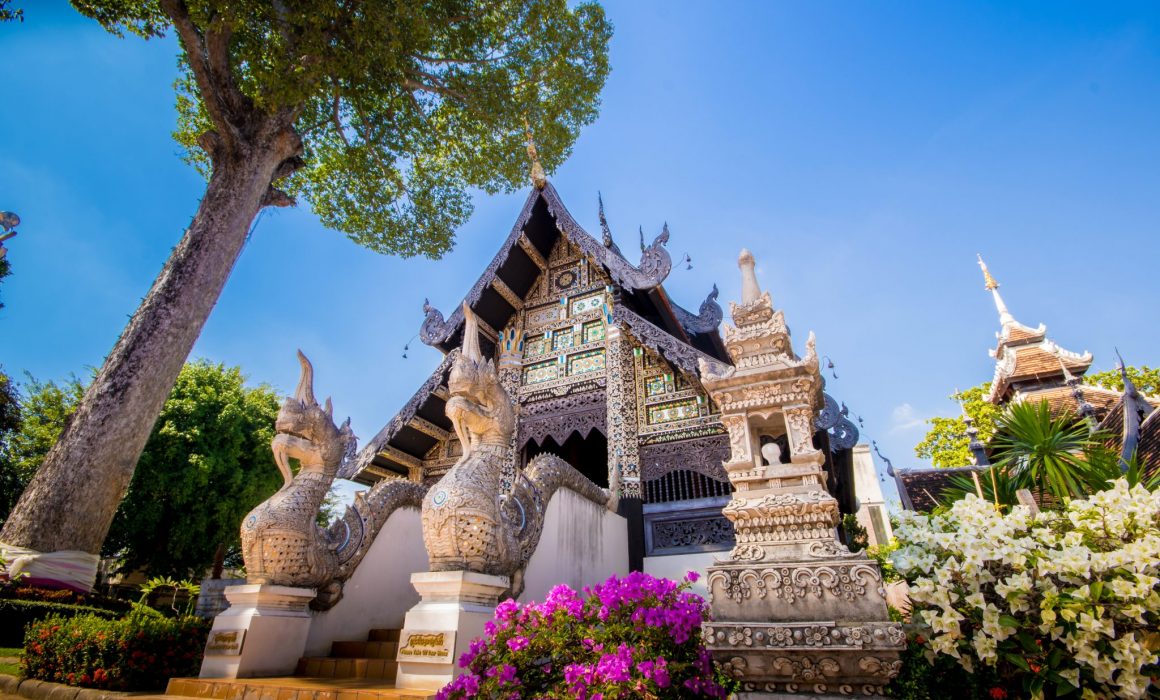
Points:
(794, 611)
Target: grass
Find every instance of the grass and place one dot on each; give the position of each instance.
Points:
(10, 669)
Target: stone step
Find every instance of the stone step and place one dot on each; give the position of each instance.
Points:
(290, 688)
(330, 667)
(391, 635)
(364, 650)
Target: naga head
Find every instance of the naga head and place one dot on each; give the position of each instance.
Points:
(471, 372)
(306, 431)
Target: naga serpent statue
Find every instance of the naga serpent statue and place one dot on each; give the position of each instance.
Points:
(282, 543)
(469, 523)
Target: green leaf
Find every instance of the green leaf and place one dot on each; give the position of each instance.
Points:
(1017, 660)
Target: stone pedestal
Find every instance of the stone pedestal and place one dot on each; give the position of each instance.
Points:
(454, 607)
(271, 622)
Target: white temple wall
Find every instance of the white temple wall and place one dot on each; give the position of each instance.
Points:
(582, 544)
(675, 566)
(380, 592)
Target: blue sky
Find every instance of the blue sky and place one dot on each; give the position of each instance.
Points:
(863, 151)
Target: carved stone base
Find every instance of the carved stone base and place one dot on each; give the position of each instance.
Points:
(272, 623)
(455, 602)
(831, 635)
(828, 672)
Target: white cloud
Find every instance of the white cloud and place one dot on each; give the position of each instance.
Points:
(904, 418)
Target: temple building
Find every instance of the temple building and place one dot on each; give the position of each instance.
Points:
(1029, 366)
(603, 367)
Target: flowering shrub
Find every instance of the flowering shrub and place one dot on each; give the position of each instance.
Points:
(629, 638)
(139, 652)
(1062, 602)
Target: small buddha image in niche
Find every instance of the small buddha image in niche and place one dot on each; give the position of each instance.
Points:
(774, 450)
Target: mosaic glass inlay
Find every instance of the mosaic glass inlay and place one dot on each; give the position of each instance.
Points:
(563, 340)
(655, 386)
(672, 411)
(593, 331)
(537, 345)
(541, 372)
(590, 361)
(588, 303)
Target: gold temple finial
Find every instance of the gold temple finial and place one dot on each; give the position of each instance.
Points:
(539, 178)
(988, 281)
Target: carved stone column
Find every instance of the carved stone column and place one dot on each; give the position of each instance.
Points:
(623, 444)
(793, 610)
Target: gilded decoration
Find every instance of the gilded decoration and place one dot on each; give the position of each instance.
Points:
(469, 522)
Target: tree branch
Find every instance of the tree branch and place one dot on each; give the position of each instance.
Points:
(210, 90)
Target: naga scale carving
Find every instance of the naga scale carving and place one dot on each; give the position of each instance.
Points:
(469, 522)
(282, 543)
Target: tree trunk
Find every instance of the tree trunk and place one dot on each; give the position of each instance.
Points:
(71, 500)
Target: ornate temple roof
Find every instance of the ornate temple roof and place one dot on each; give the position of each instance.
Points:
(1025, 358)
(643, 306)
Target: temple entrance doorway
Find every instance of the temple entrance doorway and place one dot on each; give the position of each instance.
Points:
(589, 455)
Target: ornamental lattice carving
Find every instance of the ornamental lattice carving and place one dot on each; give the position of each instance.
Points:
(702, 455)
(557, 418)
(691, 532)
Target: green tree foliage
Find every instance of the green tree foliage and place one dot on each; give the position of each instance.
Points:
(10, 485)
(401, 107)
(945, 444)
(207, 463)
(42, 411)
(7, 14)
(5, 270)
(1146, 379)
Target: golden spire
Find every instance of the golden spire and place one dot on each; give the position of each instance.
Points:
(539, 178)
(988, 280)
(1005, 317)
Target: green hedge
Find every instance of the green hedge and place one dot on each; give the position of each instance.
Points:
(16, 615)
(138, 652)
